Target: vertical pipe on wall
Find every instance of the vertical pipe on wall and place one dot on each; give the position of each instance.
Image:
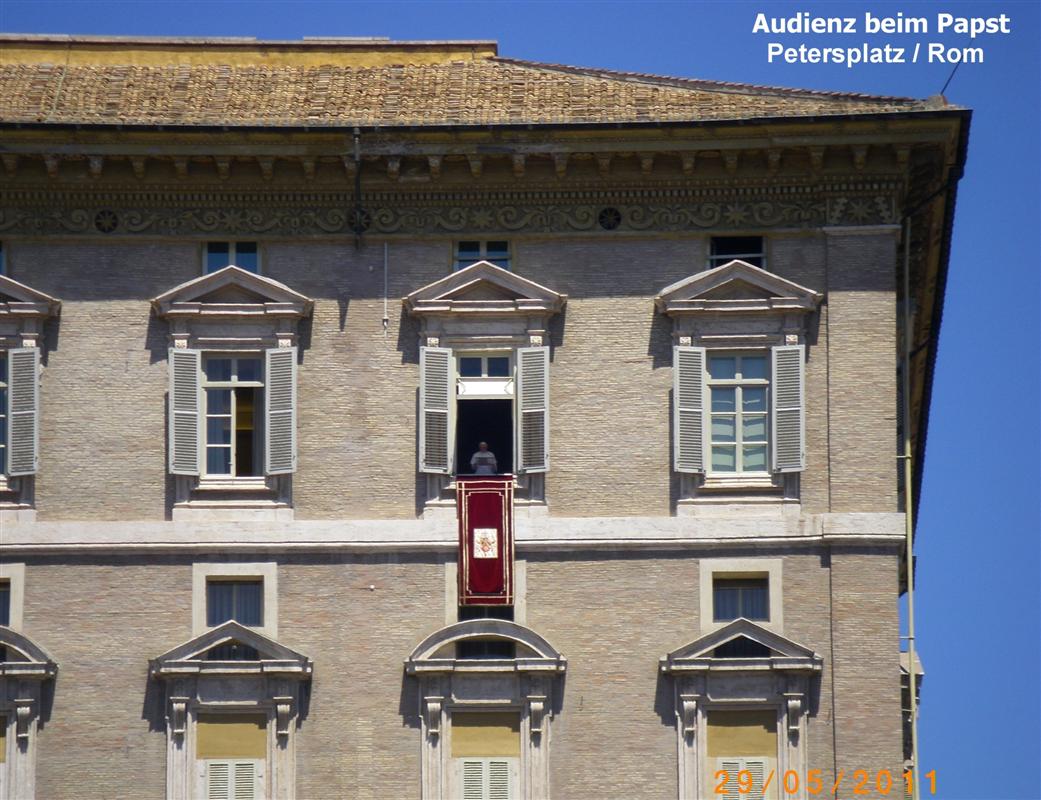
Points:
(909, 509)
(386, 262)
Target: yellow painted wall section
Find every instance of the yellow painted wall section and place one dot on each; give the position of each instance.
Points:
(231, 736)
(742, 733)
(482, 734)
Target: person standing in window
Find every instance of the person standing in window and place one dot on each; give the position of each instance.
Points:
(483, 461)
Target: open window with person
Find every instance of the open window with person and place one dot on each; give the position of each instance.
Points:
(484, 410)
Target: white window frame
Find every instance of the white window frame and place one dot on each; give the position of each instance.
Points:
(232, 254)
(14, 576)
(713, 261)
(266, 571)
(258, 413)
(737, 568)
(711, 384)
(483, 254)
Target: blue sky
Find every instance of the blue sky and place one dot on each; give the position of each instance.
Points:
(979, 531)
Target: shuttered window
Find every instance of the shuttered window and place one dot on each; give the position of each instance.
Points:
(688, 393)
(232, 416)
(436, 407)
(533, 409)
(23, 410)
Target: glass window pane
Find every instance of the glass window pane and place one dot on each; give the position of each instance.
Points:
(753, 398)
(470, 367)
(754, 603)
(755, 458)
(246, 256)
(249, 369)
(249, 600)
(723, 458)
(736, 245)
(499, 254)
(722, 368)
(5, 603)
(499, 367)
(753, 428)
(219, 602)
(218, 369)
(724, 429)
(753, 367)
(725, 603)
(723, 399)
(218, 430)
(218, 460)
(218, 401)
(469, 250)
(217, 256)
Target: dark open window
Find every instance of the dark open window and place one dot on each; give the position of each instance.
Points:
(242, 601)
(489, 421)
(5, 603)
(743, 248)
(485, 648)
(741, 647)
(746, 597)
(233, 651)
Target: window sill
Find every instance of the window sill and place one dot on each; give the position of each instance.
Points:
(765, 482)
(230, 484)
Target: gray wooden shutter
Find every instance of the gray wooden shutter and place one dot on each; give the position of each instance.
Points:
(185, 411)
(218, 780)
(23, 411)
(688, 404)
(788, 440)
(533, 409)
(731, 766)
(473, 772)
(436, 405)
(280, 411)
(500, 784)
(244, 777)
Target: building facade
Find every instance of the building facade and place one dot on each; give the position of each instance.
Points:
(266, 306)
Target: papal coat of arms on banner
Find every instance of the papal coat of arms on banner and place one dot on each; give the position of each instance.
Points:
(486, 543)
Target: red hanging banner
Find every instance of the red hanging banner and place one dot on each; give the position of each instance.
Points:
(485, 510)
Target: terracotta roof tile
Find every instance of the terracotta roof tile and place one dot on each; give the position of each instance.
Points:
(487, 91)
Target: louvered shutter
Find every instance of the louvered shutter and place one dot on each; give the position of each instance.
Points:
(788, 440)
(473, 772)
(533, 409)
(757, 768)
(244, 776)
(23, 411)
(185, 416)
(688, 403)
(436, 405)
(500, 783)
(280, 411)
(731, 766)
(218, 780)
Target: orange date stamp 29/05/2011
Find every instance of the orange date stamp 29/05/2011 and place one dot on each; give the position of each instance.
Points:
(791, 782)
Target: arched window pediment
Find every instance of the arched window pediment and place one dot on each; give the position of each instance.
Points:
(23, 658)
(534, 653)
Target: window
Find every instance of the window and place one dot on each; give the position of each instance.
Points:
(466, 253)
(485, 754)
(246, 592)
(240, 254)
(738, 386)
(744, 745)
(750, 249)
(484, 413)
(3, 263)
(5, 603)
(242, 601)
(485, 648)
(234, 396)
(733, 598)
(231, 753)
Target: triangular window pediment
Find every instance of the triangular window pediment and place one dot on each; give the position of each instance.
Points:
(736, 286)
(742, 641)
(484, 288)
(25, 299)
(231, 287)
(227, 645)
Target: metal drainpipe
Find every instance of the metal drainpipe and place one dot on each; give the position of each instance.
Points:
(909, 510)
